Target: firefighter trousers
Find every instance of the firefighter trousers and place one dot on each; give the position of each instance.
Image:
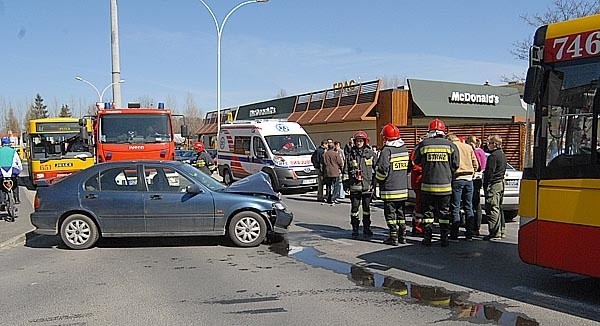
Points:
(356, 199)
(394, 218)
(436, 206)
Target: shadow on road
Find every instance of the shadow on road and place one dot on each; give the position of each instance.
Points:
(49, 242)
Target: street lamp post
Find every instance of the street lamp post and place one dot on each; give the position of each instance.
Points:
(100, 94)
(219, 34)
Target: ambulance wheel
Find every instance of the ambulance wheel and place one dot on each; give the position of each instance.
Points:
(227, 178)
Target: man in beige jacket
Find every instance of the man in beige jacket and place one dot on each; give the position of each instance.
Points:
(462, 188)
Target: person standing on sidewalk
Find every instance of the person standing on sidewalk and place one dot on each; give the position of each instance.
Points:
(359, 168)
(477, 182)
(439, 159)
(333, 164)
(339, 185)
(462, 188)
(493, 183)
(392, 174)
(317, 161)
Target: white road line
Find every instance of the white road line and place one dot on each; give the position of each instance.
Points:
(342, 242)
(417, 262)
(562, 301)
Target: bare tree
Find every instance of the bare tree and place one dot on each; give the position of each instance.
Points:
(146, 101)
(11, 122)
(281, 94)
(559, 10)
(391, 82)
(514, 78)
(193, 114)
(171, 103)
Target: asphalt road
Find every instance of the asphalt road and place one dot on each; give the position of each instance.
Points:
(325, 278)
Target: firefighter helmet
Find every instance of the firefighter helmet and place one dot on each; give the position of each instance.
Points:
(437, 125)
(199, 146)
(390, 132)
(361, 135)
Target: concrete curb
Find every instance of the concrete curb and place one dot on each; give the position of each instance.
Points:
(18, 240)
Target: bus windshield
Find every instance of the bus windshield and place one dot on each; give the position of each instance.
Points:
(55, 145)
(290, 144)
(135, 128)
(568, 110)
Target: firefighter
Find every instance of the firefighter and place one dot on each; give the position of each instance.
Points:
(416, 173)
(391, 173)
(204, 162)
(439, 159)
(359, 169)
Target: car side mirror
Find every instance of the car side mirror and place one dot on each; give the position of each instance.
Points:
(193, 189)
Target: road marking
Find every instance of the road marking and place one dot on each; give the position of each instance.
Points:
(555, 299)
(571, 276)
(342, 242)
(417, 262)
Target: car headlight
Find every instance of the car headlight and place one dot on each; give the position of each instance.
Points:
(280, 206)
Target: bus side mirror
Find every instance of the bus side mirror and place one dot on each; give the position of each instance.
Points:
(82, 122)
(533, 84)
(83, 133)
(184, 131)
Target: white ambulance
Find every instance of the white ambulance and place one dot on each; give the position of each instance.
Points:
(280, 148)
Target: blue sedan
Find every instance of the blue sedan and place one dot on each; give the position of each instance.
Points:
(157, 198)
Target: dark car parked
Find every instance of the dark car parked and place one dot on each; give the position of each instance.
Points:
(157, 198)
(185, 156)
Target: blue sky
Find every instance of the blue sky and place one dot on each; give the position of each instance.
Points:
(168, 47)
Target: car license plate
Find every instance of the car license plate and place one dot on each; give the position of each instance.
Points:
(309, 181)
(512, 183)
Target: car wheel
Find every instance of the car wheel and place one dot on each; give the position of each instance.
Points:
(79, 232)
(510, 215)
(247, 229)
(227, 178)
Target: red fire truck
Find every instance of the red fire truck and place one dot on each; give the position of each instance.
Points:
(134, 133)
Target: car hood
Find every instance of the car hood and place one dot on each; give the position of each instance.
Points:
(255, 184)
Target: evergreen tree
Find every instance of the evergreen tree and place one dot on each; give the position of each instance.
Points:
(65, 112)
(37, 110)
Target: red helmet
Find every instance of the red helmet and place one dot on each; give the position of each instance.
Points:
(199, 146)
(390, 132)
(437, 124)
(361, 135)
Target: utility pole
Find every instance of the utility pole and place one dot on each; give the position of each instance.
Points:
(116, 65)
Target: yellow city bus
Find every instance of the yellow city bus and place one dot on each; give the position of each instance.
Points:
(560, 189)
(56, 148)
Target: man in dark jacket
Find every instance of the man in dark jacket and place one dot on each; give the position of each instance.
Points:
(359, 168)
(317, 161)
(333, 164)
(439, 159)
(493, 184)
(392, 174)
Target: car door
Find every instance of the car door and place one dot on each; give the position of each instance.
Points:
(113, 196)
(167, 206)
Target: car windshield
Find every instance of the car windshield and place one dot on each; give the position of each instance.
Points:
(202, 177)
(135, 128)
(290, 144)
